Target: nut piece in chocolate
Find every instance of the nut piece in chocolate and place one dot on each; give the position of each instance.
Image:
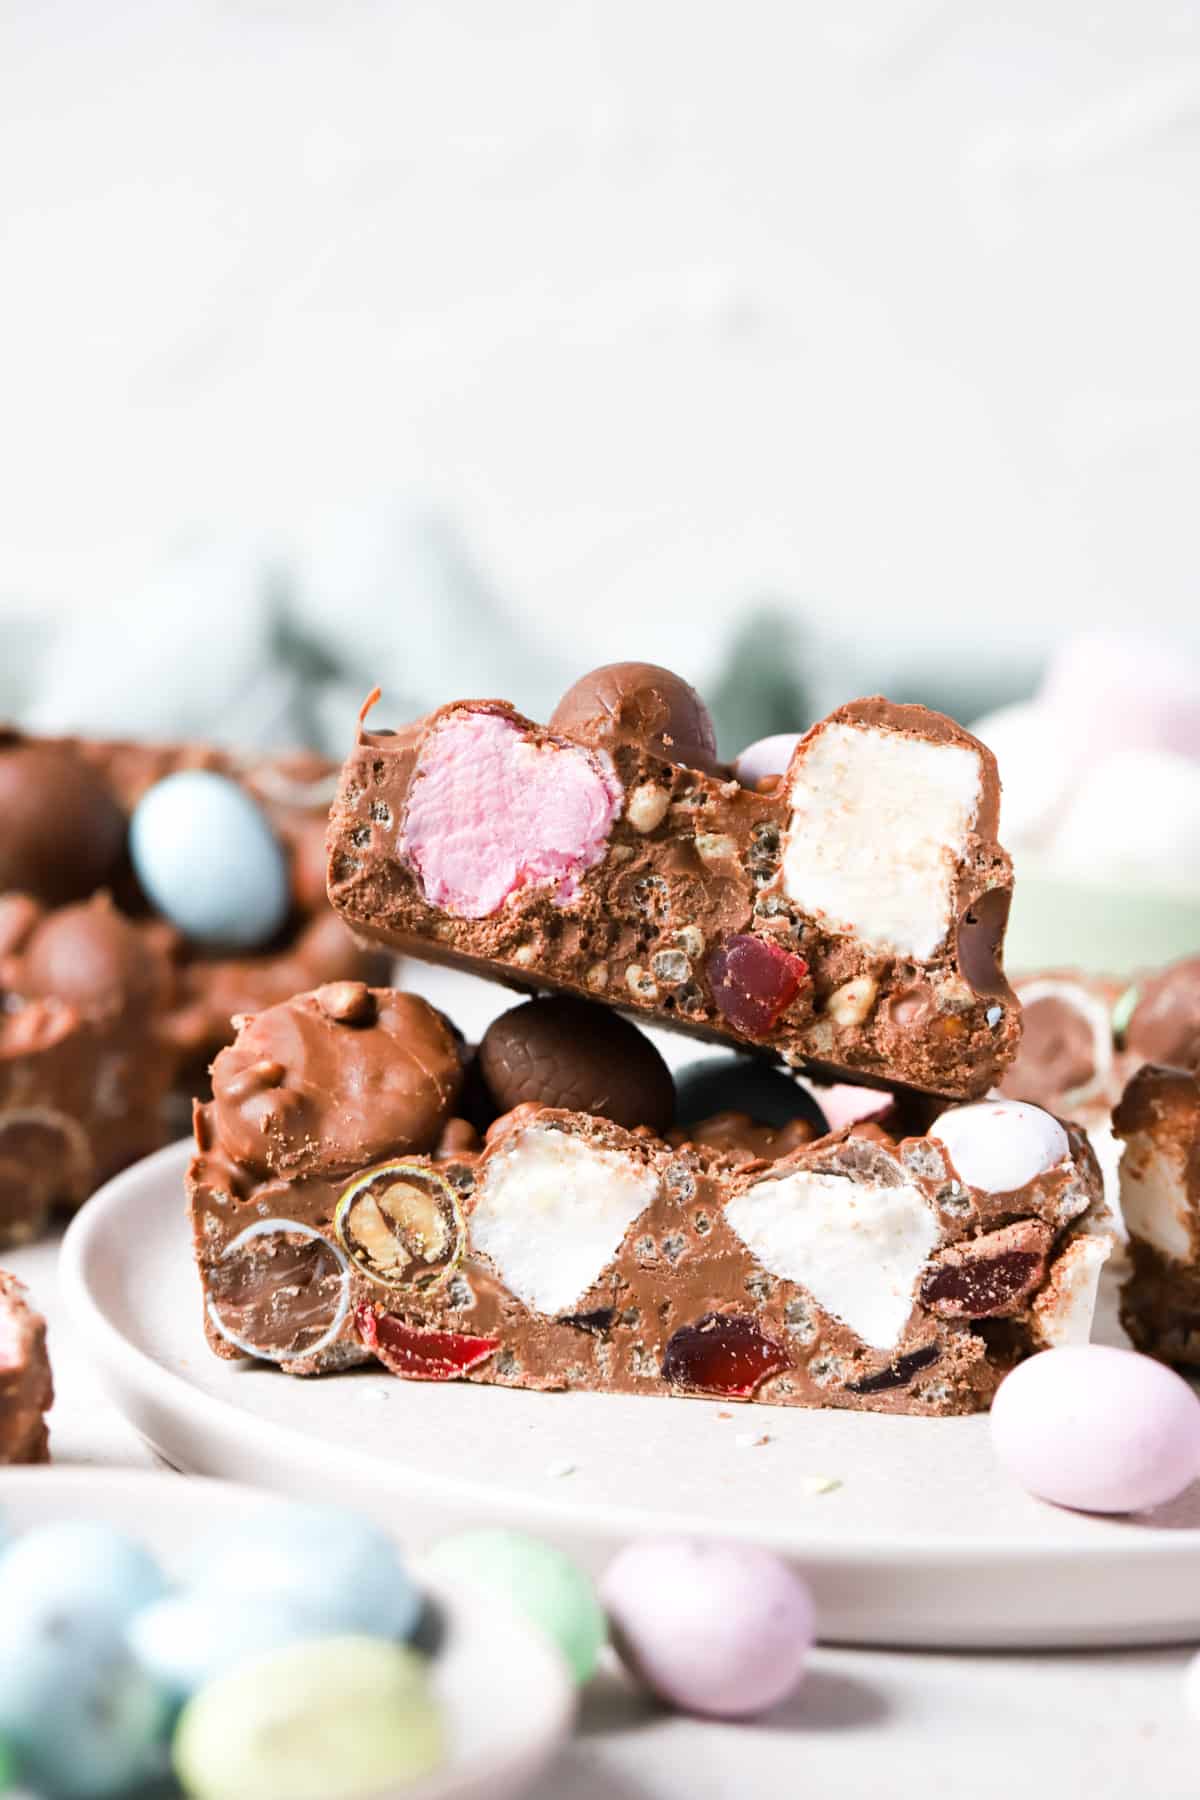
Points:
(849, 919)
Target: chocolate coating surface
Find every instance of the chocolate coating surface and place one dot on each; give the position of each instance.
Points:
(95, 959)
(582, 1058)
(1165, 1024)
(639, 703)
(320, 1082)
(62, 830)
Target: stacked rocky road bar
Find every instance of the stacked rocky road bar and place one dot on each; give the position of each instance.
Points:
(26, 1389)
(530, 1214)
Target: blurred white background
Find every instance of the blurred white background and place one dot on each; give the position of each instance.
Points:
(603, 322)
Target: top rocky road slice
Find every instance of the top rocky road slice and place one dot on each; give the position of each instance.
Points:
(848, 915)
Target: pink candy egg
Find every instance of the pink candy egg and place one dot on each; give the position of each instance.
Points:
(1097, 1429)
(717, 1628)
(767, 756)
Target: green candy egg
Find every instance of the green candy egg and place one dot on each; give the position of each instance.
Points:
(322, 1720)
(538, 1581)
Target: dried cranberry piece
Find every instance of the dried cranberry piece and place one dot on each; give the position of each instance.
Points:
(983, 1286)
(420, 1355)
(754, 981)
(897, 1374)
(722, 1353)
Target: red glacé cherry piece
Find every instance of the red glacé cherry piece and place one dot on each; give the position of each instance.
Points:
(753, 981)
(722, 1353)
(421, 1355)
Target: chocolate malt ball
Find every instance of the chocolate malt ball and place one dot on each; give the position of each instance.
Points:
(61, 830)
(94, 958)
(1164, 1026)
(571, 1054)
(641, 704)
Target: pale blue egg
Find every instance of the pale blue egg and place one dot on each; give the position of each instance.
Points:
(77, 1713)
(207, 858)
(345, 1572)
(189, 1638)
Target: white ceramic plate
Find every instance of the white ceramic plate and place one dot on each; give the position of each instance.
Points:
(923, 1542)
(508, 1698)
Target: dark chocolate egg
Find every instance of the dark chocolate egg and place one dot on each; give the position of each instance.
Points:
(639, 703)
(571, 1054)
(744, 1084)
(61, 829)
(1164, 1026)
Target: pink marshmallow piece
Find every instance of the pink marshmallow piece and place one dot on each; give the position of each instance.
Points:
(1098, 1429)
(491, 811)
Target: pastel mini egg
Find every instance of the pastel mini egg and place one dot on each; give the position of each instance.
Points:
(325, 1720)
(190, 1638)
(999, 1146)
(1098, 1429)
(344, 1572)
(207, 858)
(766, 756)
(77, 1713)
(715, 1628)
(537, 1581)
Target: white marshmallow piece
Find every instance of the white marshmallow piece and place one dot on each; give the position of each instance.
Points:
(859, 1249)
(551, 1212)
(1064, 1310)
(1154, 1198)
(878, 828)
(998, 1146)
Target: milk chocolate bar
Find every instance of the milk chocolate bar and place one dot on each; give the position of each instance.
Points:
(847, 917)
(109, 1016)
(854, 1271)
(1159, 1119)
(26, 1389)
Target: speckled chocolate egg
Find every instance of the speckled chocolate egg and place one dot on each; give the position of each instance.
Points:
(62, 831)
(639, 703)
(569, 1053)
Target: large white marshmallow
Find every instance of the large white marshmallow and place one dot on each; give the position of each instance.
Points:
(858, 1249)
(1154, 1199)
(551, 1212)
(1064, 1310)
(998, 1146)
(878, 827)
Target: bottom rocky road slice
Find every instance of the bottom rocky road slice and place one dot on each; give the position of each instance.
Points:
(1159, 1119)
(857, 1271)
(26, 1390)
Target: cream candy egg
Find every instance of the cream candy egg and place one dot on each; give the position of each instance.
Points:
(999, 1146)
(721, 1629)
(768, 756)
(1097, 1429)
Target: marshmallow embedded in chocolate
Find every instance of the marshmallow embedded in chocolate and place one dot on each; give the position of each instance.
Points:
(642, 704)
(1164, 1026)
(62, 831)
(572, 1054)
(302, 1088)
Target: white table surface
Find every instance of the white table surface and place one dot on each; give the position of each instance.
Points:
(1078, 1727)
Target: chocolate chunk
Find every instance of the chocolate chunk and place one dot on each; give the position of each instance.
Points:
(63, 830)
(641, 704)
(571, 1054)
(1164, 1026)
(898, 1373)
(351, 1095)
(599, 1319)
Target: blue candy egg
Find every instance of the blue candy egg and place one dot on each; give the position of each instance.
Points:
(745, 1084)
(77, 1714)
(189, 1638)
(344, 1573)
(207, 858)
